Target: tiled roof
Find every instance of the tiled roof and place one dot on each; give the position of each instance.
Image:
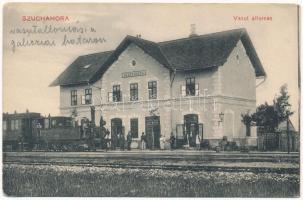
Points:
(82, 69)
(196, 52)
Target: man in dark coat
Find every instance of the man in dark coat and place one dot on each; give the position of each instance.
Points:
(172, 141)
(122, 141)
(129, 140)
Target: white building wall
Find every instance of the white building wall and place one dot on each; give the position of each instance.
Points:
(229, 89)
(138, 109)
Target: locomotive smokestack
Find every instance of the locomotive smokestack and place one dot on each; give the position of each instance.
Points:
(193, 30)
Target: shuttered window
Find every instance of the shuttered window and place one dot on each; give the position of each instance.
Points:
(183, 90)
(88, 96)
(117, 93)
(152, 89)
(196, 89)
(134, 91)
(190, 86)
(74, 97)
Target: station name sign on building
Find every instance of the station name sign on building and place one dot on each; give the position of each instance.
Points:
(134, 74)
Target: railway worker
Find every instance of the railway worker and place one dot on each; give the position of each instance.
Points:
(162, 142)
(107, 139)
(91, 136)
(198, 142)
(85, 127)
(143, 141)
(129, 140)
(172, 141)
(122, 141)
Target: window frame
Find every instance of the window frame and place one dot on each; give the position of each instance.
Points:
(117, 97)
(133, 92)
(74, 98)
(4, 125)
(152, 89)
(190, 86)
(88, 93)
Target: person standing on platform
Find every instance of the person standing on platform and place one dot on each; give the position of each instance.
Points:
(122, 141)
(143, 141)
(198, 141)
(107, 139)
(172, 141)
(129, 140)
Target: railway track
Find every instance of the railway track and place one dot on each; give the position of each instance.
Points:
(169, 167)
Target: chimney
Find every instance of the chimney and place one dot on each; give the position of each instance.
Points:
(193, 30)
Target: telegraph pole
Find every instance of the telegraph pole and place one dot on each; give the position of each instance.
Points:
(288, 143)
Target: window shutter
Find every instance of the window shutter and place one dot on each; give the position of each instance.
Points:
(183, 90)
(110, 97)
(82, 99)
(197, 89)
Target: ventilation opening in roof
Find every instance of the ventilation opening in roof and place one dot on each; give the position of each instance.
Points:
(86, 66)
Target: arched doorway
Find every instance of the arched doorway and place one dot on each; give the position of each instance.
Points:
(116, 129)
(191, 129)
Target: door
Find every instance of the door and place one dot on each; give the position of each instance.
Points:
(153, 132)
(191, 129)
(116, 129)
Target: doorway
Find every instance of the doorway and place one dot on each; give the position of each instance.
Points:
(191, 129)
(116, 130)
(153, 132)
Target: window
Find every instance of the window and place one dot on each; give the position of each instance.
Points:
(12, 124)
(116, 93)
(88, 96)
(74, 97)
(46, 123)
(15, 124)
(134, 91)
(134, 127)
(190, 86)
(133, 62)
(152, 89)
(4, 125)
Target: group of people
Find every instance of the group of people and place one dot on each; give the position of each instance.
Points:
(117, 140)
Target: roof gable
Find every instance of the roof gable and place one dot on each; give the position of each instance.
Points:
(148, 47)
(197, 52)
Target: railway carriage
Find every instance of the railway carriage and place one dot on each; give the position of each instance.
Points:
(17, 130)
(31, 131)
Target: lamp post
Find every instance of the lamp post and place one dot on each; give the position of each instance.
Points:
(221, 117)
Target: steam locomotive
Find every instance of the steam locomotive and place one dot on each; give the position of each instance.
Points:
(32, 132)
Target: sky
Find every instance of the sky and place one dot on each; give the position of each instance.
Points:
(29, 70)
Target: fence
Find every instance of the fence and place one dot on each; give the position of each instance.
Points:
(277, 141)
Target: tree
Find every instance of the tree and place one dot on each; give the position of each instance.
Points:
(281, 104)
(269, 116)
(247, 121)
(266, 117)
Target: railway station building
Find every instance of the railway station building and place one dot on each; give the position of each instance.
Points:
(200, 84)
